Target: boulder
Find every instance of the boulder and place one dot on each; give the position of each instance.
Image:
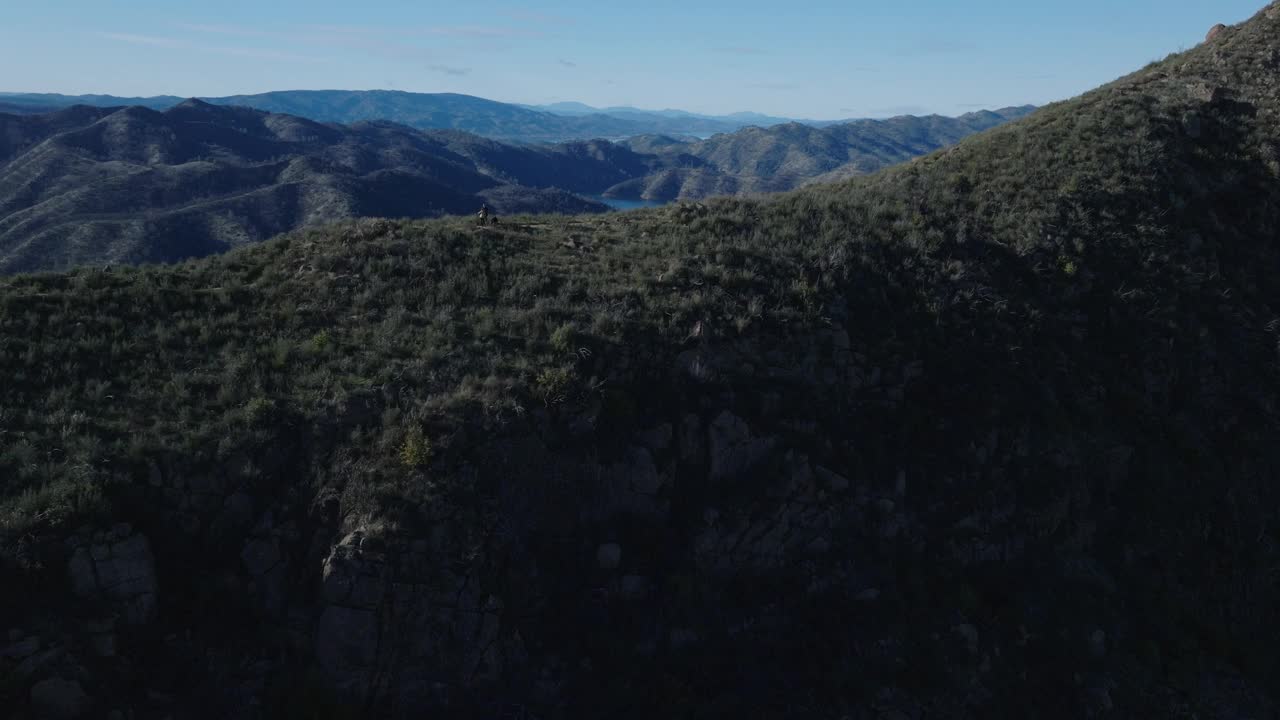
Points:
(733, 449)
(837, 483)
(21, 649)
(1214, 32)
(124, 572)
(609, 556)
(59, 699)
(346, 647)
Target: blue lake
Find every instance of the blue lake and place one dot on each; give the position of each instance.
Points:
(617, 204)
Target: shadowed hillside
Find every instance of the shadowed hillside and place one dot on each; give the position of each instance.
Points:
(988, 434)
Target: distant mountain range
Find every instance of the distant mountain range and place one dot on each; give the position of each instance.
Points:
(735, 121)
(784, 157)
(504, 121)
(90, 185)
(131, 185)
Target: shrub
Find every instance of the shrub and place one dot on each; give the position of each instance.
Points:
(553, 385)
(415, 451)
(562, 339)
(258, 411)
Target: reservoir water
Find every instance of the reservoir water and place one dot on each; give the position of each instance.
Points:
(617, 204)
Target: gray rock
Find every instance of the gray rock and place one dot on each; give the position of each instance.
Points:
(969, 634)
(840, 339)
(659, 438)
(1191, 125)
(1099, 699)
(733, 449)
(352, 577)
(59, 699)
(260, 555)
(21, 649)
(609, 556)
(346, 639)
(237, 512)
(819, 546)
(633, 587)
(642, 474)
(123, 572)
(1098, 644)
(681, 638)
(104, 645)
(35, 663)
(698, 365)
(691, 438)
(84, 581)
(836, 483)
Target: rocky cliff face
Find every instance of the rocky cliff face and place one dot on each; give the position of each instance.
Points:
(727, 547)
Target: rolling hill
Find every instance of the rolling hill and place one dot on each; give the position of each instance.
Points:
(987, 434)
(784, 157)
(128, 185)
(88, 185)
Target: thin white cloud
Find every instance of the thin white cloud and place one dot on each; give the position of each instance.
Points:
(540, 18)
(177, 44)
(447, 70)
(897, 110)
(146, 40)
(375, 41)
(741, 50)
(223, 29)
(470, 31)
(480, 31)
(938, 46)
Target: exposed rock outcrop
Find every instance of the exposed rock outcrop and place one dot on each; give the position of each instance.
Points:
(120, 567)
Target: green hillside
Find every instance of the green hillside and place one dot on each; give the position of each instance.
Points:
(988, 434)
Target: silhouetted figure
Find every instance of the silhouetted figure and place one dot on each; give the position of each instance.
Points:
(482, 217)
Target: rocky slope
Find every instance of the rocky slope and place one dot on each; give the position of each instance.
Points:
(990, 434)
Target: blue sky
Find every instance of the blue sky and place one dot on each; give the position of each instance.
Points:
(828, 59)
